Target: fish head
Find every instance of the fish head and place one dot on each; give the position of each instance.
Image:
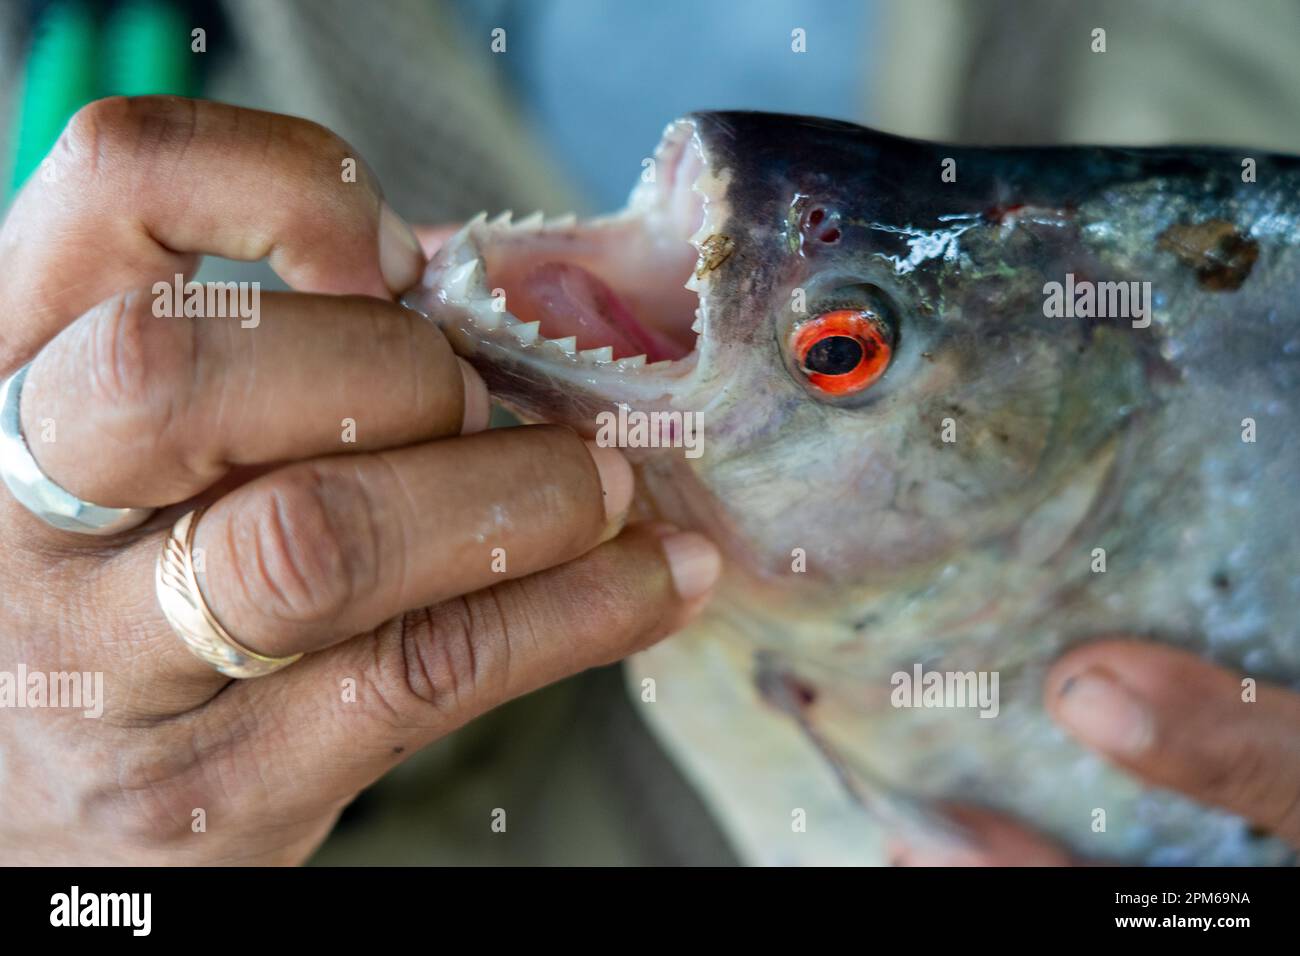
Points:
(862, 338)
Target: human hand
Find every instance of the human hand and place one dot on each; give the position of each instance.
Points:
(1170, 719)
(373, 556)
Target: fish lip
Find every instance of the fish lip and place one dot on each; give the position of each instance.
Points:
(454, 290)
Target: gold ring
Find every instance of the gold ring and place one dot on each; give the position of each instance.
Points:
(189, 615)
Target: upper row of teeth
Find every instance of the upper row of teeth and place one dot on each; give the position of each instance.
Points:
(461, 279)
(533, 222)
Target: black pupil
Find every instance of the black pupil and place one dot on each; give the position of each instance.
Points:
(834, 355)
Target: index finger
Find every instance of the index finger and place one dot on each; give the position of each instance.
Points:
(136, 189)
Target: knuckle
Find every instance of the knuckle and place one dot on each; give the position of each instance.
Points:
(138, 365)
(296, 150)
(553, 469)
(599, 593)
(619, 595)
(307, 143)
(389, 327)
(106, 136)
(92, 133)
(150, 794)
(446, 660)
(439, 659)
(311, 551)
(150, 798)
(418, 353)
(316, 140)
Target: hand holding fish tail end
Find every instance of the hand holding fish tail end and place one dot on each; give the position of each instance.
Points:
(1171, 719)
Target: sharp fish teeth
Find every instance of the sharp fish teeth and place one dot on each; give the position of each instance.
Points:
(532, 222)
(502, 220)
(458, 279)
(526, 332)
(601, 355)
(698, 325)
(664, 364)
(568, 345)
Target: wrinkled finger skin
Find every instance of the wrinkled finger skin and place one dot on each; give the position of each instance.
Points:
(259, 774)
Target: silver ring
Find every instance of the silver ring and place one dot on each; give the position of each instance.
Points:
(36, 492)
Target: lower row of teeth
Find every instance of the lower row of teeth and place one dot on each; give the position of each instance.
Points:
(462, 278)
(529, 334)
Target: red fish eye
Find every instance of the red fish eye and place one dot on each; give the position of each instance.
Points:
(844, 351)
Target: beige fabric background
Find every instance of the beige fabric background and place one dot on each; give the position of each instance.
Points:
(1022, 71)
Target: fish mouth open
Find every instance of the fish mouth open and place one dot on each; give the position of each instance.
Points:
(613, 306)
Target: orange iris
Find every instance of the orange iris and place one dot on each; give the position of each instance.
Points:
(844, 351)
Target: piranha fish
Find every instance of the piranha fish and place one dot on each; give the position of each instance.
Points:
(961, 409)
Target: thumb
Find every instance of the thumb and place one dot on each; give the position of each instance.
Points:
(1180, 723)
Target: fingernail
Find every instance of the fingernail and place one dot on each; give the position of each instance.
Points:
(478, 407)
(400, 258)
(616, 483)
(1104, 714)
(693, 562)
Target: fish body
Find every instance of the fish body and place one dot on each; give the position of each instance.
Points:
(1073, 414)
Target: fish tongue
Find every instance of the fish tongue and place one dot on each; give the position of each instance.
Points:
(569, 300)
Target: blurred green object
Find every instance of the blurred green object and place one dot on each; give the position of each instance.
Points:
(147, 49)
(60, 77)
(143, 47)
